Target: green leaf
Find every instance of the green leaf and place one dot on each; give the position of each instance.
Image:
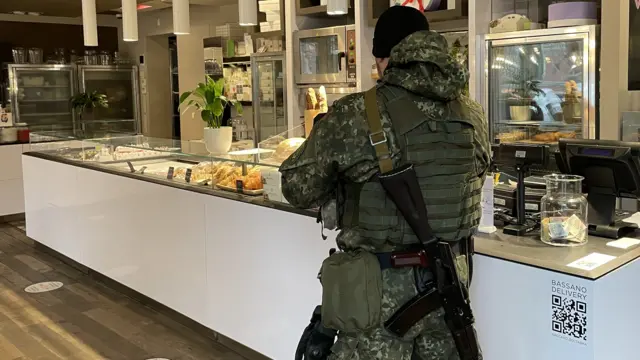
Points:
(217, 108)
(184, 96)
(219, 87)
(238, 106)
(210, 96)
(206, 116)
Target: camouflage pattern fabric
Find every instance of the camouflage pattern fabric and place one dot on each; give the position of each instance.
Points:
(449, 146)
(429, 339)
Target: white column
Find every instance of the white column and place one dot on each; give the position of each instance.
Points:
(614, 68)
(364, 46)
(479, 19)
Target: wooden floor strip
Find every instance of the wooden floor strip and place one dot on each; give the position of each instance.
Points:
(83, 320)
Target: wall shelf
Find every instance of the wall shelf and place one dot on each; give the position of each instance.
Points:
(268, 34)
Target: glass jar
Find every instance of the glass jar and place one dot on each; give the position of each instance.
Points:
(564, 211)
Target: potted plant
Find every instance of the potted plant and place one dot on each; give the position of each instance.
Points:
(84, 103)
(208, 98)
(524, 90)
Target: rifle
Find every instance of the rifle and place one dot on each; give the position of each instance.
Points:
(402, 187)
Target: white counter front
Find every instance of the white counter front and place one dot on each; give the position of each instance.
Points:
(11, 193)
(249, 272)
(245, 271)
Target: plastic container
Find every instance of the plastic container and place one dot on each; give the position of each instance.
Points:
(8, 135)
(564, 212)
(23, 132)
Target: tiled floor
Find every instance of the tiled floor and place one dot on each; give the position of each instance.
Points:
(82, 320)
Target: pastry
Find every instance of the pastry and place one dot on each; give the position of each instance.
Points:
(322, 100)
(512, 136)
(286, 148)
(554, 136)
(312, 100)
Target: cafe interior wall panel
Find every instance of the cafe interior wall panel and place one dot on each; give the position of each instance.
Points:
(262, 267)
(147, 236)
(11, 191)
(50, 205)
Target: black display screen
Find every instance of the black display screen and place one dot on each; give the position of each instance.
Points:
(597, 151)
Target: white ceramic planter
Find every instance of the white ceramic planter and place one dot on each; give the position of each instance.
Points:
(218, 141)
(520, 113)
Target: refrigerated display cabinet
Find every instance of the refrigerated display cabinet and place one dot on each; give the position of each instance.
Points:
(120, 83)
(269, 95)
(541, 85)
(40, 95)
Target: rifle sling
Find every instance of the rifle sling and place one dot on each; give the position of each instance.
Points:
(377, 137)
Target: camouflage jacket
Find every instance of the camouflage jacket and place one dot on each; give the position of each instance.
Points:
(338, 148)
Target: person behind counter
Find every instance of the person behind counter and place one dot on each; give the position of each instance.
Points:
(415, 116)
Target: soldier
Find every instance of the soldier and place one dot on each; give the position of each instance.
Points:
(425, 121)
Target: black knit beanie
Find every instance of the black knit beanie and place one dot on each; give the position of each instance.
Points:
(393, 26)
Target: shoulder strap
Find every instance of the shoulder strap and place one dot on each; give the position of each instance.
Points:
(377, 136)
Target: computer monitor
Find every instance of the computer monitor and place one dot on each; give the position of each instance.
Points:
(611, 169)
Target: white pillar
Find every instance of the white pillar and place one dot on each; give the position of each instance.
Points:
(614, 68)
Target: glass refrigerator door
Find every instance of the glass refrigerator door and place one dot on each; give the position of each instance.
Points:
(41, 97)
(538, 92)
(119, 87)
(270, 104)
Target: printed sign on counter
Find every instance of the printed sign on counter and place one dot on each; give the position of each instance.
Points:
(170, 173)
(623, 243)
(591, 261)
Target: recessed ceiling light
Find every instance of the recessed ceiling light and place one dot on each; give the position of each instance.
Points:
(18, 13)
(32, 13)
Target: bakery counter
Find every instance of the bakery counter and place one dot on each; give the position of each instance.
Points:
(566, 303)
(242, 266)
(176, 182)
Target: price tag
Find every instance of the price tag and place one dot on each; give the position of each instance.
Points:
(240, 186)
(170, 173)
(187, 176)
(131, 168)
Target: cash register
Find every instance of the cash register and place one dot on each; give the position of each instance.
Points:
(611, 169)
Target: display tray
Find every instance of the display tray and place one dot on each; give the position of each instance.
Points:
(244, 191)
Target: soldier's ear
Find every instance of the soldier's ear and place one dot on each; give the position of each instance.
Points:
(381, 65)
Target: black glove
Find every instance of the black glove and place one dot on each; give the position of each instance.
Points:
(316, 340)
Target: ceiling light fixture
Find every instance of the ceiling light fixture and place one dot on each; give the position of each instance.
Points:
(89, 23)
(248, 12)
(337, 7)
(181, 22)
(129, 20)
(144, 7)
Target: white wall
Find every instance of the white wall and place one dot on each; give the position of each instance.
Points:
(204, 19)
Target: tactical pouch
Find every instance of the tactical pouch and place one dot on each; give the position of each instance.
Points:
(351, 291)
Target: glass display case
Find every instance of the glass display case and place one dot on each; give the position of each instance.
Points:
(40, 95)
(241, 173)
(540, 85)
(120, 84)
(269, 95)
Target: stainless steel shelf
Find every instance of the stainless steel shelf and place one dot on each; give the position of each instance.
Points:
(43, 86)
(45, 114)
(43, 100)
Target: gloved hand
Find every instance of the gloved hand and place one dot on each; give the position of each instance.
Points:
(316, 340)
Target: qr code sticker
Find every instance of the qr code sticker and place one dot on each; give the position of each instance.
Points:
(569, 317)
